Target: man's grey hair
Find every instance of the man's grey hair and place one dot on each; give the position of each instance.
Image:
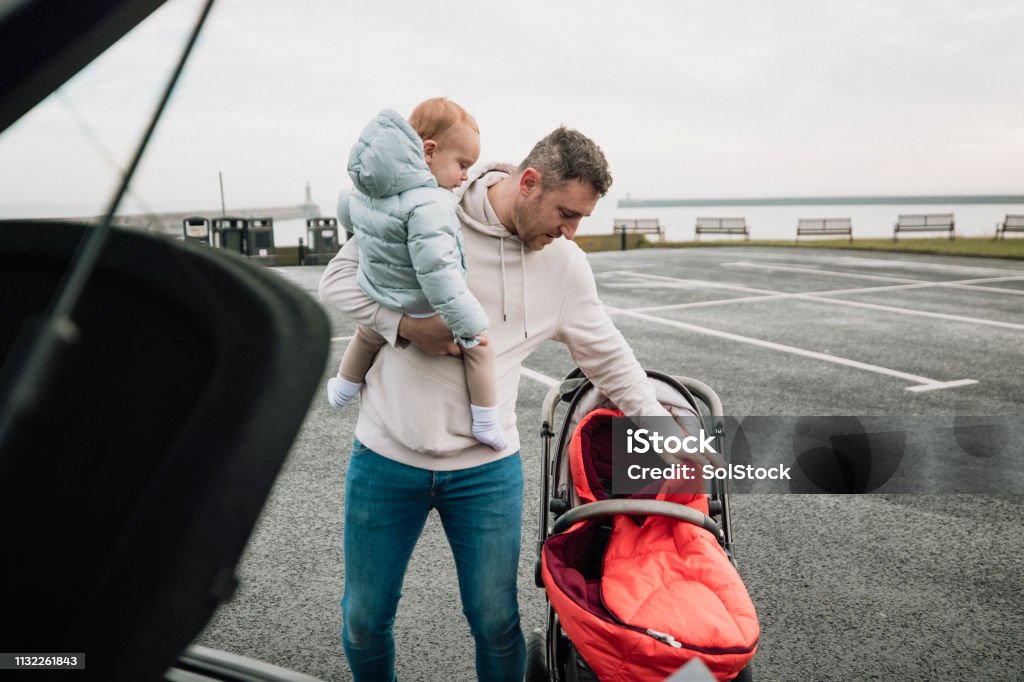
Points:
(568, 154)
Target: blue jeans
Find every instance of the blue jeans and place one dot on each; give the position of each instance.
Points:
(481, 509)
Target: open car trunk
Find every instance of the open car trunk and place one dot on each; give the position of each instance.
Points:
(136, 464)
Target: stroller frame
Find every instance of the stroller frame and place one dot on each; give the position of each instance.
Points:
(555, 513)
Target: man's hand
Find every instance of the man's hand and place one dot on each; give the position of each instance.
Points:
(431, 335)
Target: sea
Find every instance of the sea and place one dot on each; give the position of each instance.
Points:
(769, 219)
(776, 219)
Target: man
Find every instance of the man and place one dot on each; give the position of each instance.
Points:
(414, 449)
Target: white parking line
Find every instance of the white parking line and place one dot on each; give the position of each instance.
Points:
(916, 283)
(918, 313)
(704, 304)
(970, 284)
(680, 283)
(818, 296)
(920, 383)
(537, 376)
(956, 284)
(941, 384)
(816, 271)
(945, 268)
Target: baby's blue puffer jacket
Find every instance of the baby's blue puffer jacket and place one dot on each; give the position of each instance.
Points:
(410, 243)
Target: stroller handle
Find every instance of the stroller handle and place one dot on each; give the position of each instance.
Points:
(603, 508)
(704, 393)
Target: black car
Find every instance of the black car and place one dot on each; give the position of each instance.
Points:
(150, 390)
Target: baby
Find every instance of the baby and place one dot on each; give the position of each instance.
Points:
(410, 244)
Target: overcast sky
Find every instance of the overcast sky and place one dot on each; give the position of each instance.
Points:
(688, 99)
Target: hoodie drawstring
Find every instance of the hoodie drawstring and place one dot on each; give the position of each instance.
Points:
(504, 286)
(522, 261)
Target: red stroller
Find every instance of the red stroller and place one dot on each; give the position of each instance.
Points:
(637, 585)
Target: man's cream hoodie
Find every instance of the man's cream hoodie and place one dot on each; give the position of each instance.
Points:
(414, 408)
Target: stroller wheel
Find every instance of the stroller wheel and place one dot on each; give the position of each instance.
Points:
(536, 655)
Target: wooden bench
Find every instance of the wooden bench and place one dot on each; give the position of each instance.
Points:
(824, 226)
(925, 222)
(625, 226)
(722, 226)
(1013, 223)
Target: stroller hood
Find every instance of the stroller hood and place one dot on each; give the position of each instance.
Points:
(660, 593)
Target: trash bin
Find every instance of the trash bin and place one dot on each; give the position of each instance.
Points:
(232, 234)
(261, 241)
(322, 240)
(196, 230)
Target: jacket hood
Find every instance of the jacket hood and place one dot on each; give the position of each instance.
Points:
(472, 198)
(388, 158)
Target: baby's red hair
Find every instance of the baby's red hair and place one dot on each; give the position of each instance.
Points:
(433, 118)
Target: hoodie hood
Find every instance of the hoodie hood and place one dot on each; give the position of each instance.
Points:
(388, 158)
(474, 209)
(475, 212)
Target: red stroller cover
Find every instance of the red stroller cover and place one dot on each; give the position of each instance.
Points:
(661, 593)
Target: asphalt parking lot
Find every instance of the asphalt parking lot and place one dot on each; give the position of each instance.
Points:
(847, 587)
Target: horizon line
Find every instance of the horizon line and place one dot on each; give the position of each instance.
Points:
(830, 200)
